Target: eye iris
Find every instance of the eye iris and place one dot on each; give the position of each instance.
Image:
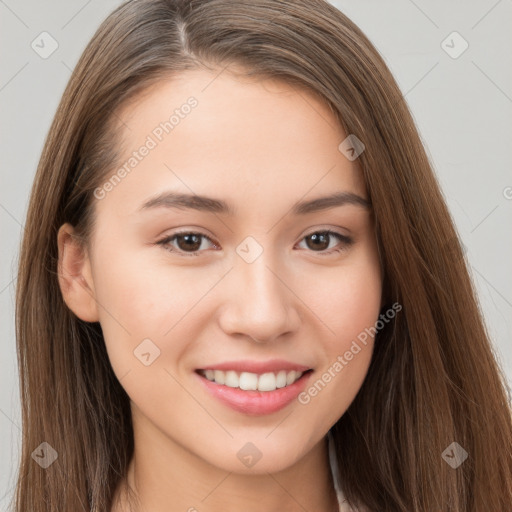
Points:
(189, 247)
(317, 237)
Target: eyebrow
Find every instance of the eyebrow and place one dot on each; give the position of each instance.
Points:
(209, 204)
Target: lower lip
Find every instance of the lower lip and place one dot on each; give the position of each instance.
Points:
(255, 402)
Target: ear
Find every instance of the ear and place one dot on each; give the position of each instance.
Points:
(75, 276)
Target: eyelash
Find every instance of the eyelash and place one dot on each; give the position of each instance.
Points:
(347, 241)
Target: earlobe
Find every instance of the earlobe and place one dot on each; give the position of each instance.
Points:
(75, 276)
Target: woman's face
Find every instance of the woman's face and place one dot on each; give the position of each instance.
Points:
(256, 287)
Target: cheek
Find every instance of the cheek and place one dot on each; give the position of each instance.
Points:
(346, 300)
(348, 305)
(141, 299)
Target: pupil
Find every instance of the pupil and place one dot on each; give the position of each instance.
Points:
(316, 237)
(195, 244)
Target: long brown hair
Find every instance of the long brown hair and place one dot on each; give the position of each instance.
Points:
(433, 379)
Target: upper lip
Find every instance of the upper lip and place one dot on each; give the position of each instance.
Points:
(259, 367)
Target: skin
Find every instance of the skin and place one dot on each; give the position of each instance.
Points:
(261, 146)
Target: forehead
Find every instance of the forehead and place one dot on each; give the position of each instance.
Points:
(240, 138)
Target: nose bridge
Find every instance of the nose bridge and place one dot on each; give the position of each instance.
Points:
(261, 306)
(264, 289)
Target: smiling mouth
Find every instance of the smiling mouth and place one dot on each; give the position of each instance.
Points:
(248, 381)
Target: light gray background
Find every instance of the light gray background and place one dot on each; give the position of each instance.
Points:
(462, 108)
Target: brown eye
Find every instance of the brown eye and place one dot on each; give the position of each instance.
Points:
(190, 242)
(186, 242)
(320, 241)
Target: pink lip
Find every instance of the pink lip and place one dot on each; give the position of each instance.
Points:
(258, 367)
(255, 402)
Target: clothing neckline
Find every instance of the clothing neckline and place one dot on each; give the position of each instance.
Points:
(342, 502)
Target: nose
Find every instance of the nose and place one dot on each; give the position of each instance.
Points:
(260, 303)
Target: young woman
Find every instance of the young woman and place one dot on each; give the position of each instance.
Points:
(240, 287)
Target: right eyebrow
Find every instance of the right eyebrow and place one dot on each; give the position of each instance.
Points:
(188, 201)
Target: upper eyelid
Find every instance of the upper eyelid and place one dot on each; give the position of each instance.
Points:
(192, 232)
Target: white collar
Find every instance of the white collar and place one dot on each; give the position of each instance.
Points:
(342, 502)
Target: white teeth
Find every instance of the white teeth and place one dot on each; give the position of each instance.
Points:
(266, 382)
(231, 379)
(248, 381)
(281, 379)
(218, 375)
(252, 381)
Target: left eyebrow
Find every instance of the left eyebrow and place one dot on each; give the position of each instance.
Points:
(209, 204)
(332, 201)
